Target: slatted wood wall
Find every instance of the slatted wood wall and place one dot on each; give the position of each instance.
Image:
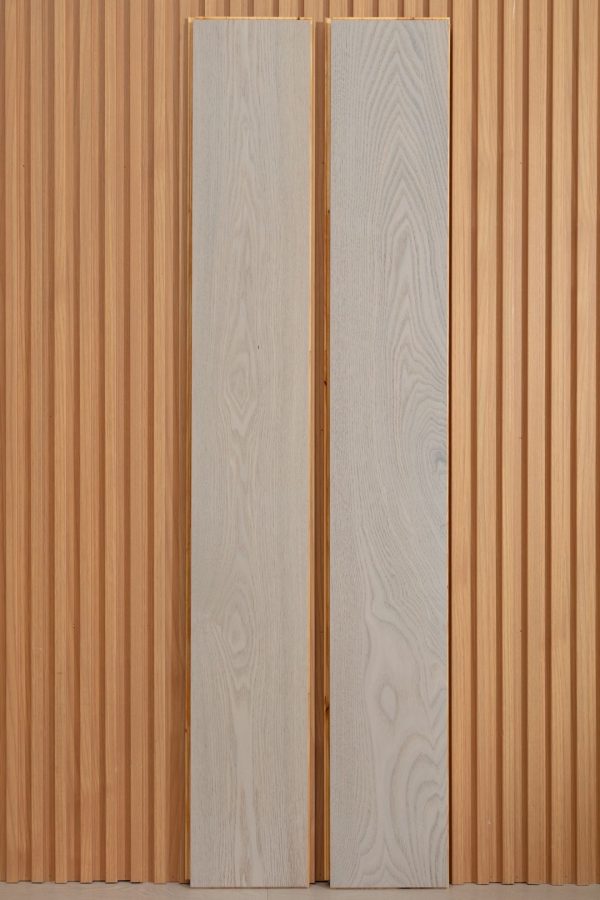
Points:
(93, 344)
(525, 639)
(93, 356)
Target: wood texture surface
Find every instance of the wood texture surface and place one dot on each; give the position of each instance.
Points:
(251, 308)
(524, 440)
(389, 156)
(40, 40)
(92, 666)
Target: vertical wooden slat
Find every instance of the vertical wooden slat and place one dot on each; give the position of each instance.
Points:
(415, 8)
(240, 8)
(140, 509)
(511, 772)
(438, 8)
(41, 772)
(18, 748)
(214, 7)
(3, 417)
(561, 423)
(487, 369)
(586, 466)
(91, 413)
(462, 587)
(112, 537)
(539, 29)
(4, 284)
(285, 7)
(124, 406)
(388, 8)
(161, 495)
(49, 398)
(117, 832)
(175, 597)
(65, 444)
(340, 8)
(316, 765)
(265, 8)
(364, 8)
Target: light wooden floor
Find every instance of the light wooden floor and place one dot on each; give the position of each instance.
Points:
(127, 891)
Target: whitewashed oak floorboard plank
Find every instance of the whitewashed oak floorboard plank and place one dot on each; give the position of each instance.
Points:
(251, 234)
(389, 449)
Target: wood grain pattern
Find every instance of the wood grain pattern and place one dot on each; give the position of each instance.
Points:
(562, 584)
(526, 818)
(90, 417)
(511, 361)
(65, 449)
(388, 513)
(17, 498)
(250, 444)
(587, 620)
(41, 639)
(486, 438)
(139, 497)
(537, 444)
(462, 483)
(78, 356)
(523, 31)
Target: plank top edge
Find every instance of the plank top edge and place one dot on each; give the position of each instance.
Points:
(192, 19)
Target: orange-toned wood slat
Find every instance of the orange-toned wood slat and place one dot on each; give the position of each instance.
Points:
(241, 8)
(3, 433)
(66, 446)
(536, 433)
(17, 375)
(176, 594)
(388, 8)
(41, 733)
(216, 7)
(139, 446)
(91, 431)
(487, 415)
(462, 382)
(115, 424)
(512, 462)
(438, 8)
(286, 8)
(45, 444)
(562, 586)
(415, 8)
(340, 8)
(163, 188)
(586, 439)
(364, 8)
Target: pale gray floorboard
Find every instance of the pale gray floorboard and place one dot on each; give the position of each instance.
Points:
(250, 473)
(389, 453)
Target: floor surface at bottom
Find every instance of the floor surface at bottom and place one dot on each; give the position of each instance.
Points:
(127, 891)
